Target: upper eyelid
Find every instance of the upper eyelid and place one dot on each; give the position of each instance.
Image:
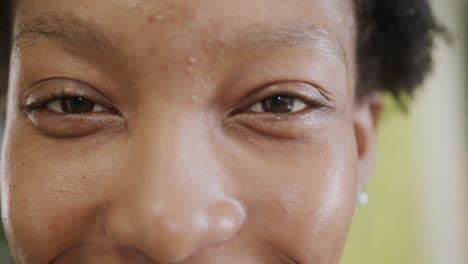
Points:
(60, 88)
(266, 90)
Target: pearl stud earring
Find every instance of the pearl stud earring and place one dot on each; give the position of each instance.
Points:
(362, 197)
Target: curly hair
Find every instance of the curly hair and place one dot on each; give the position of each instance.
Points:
(394, 45)
(6, 21)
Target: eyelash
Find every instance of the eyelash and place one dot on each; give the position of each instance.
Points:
(255, 99)
(41, 102)
(38, 105)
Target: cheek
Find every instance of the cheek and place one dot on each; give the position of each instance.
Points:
(299, 196)
(50, 188)
(302, 200)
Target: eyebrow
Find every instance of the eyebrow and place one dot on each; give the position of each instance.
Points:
(73, 31)
(69, 30)
(294, 34)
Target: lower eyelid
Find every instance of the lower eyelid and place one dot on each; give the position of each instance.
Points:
(272, 126)
(59, 125)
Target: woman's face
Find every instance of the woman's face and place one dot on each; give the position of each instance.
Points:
(154, 131)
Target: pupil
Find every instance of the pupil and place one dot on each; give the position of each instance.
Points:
(278, 104)
(76, 105)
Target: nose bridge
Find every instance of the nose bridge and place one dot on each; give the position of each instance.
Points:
(171, 156)
(174, 199)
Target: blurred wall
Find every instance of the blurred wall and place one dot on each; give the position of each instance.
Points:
(418, 210)
(441, 119)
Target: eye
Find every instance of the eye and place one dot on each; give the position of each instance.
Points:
(279, 104)
(74, 105)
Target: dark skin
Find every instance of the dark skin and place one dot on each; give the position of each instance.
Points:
(184, 131)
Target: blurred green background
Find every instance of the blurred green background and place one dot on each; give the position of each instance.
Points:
(387, 230)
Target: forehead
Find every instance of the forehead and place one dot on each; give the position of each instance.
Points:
(196, 16)
(186, 7)
(145, 33)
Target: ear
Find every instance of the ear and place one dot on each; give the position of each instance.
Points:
(366, 118)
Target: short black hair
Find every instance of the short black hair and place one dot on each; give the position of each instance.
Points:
(6, 26)
(394, 45)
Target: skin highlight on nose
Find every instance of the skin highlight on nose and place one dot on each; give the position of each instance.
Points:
(177, 231)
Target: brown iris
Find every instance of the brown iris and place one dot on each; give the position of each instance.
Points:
(76, 105)
(278, 104)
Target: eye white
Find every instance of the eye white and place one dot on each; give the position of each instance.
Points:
(298, 105)
(56, 106)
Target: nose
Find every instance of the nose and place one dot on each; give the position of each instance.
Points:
(170, 199)
(175, 230)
